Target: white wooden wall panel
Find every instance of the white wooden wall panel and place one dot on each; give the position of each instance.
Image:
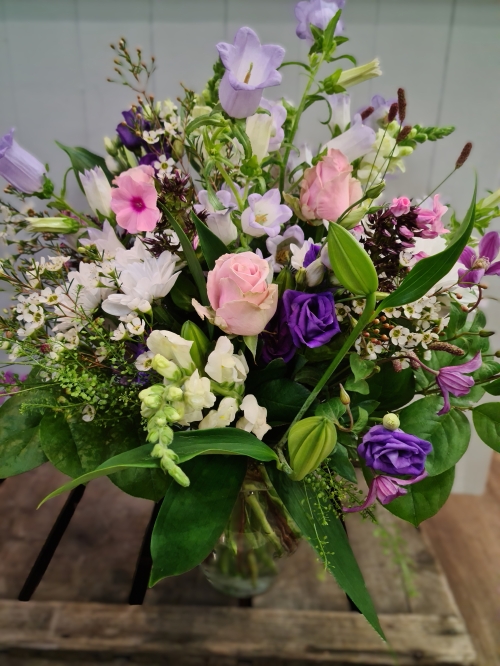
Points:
(55, 58)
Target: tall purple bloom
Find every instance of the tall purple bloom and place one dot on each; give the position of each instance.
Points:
(131, 128)
(311, 317)
(394, 451)
(385, 489)
(317, 13)
(478, 264)
(276, 338)
(18, 167)
(452, 379)
(250, 67)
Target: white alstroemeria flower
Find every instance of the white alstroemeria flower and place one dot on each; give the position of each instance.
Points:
(142, 283)
(172, 347)
(254, 417)
(221, 417)
(224, 366)
(197, 396)
(136, 326)
(97, 190)
(144, 362)
(120, 333)
(219, 221)
(399, 335)
(104, 240)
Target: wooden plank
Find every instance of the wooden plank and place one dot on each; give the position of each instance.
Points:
(320, 637)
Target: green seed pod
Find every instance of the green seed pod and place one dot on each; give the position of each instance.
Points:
(201, 344)
(310, 441)
(350, 262)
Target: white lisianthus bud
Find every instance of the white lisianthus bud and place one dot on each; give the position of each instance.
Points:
(254, 417)
(224, 366)
(172, 347)
(390, 422)
(97, 190)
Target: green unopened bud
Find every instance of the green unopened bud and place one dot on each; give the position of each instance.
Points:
(390, 422)
(166, 436)
(355, 216)
(177, 150)
(375, 191)
(344, 396)
(156, 389)
(110, 146)
(497, 354)
(152, 401)
(199, 348)
(301, 278)
(486, 334)
(285, 280)
(350, 262)
(53, 225)
(166, 368)
(171, 414)
(6, 345)
(355, 75)
(173, 393)
(310, 441)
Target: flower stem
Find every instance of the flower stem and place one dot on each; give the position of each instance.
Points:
(362, 322)
(230, 184)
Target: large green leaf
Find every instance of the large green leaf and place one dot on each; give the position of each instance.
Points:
(58, 444)
(20, 448)
(427, 272)
(350, 262)
(211, 245)
(192, 519)
(493, 388)
(82, 159)
(486, 419)
(392, 389)
(449, 434)
(340, 462)
(424, 499)
(321, 526)
(274, 370)
(282, 398)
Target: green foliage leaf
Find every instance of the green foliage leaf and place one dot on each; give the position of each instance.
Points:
(424, 499)
(361, 421)
(486, 420)
(359, 386)
(211, 246)
(274, 370)
(449, 434)
(320, 525)
(282, 398)
(58, 444)
(82, 159)
(333, 409)
(427, 272)
(340, 462)
(392, 389)
(350, 262)
(183, 292)
(192, 519)
(493, 388)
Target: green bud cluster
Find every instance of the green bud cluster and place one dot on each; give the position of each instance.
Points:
(168, 463)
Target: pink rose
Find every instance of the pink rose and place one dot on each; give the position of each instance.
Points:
(328, 188)
(242, 300)
(133, 200)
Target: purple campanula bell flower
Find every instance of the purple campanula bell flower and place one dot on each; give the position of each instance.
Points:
(394, 451)
(311, 317)
(480, 263)
(250, 67)
(317, 13)
(19, 168)
(452, 379)
(385, 489)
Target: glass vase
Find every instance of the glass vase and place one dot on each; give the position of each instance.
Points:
(244, 562)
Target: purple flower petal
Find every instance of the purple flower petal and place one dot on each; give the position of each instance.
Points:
(470, 278)
(494, 269)
(489, 245)
(468, 257)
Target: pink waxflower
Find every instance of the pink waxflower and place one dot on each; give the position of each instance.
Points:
(400, 206)
(134, 199)
(385, 489)
(429, 220)
(242, 301)
(328, 188)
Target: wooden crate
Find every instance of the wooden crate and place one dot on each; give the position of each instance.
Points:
(79, 613)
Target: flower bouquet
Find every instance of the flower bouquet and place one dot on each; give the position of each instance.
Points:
(240, 322)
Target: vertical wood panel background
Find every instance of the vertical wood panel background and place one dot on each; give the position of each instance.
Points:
(55, 58)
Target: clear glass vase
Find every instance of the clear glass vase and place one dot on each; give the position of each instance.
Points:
(244, 562)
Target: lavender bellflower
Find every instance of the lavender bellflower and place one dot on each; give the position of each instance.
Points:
(317, 13)
(18, 167)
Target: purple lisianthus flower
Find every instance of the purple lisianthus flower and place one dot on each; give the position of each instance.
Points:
(148, 159)
(19, 168)
(394, 451)
(452, 379)
(250, 67)
(481, 263)
(311, 254)
(276, 338)
(318, 13)
(311, 317)
(265, 214)
(127, 129)
(356, 142)
(385, 489)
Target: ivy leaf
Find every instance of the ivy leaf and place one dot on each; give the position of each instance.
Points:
(392, 389)
(486, 420)
(359, 386)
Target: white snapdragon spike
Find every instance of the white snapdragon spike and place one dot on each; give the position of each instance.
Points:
(97, 190)
(254, 417)
(144, 362)
(172, 347)
(224, 366)
(221, 417)
(197, 396)
(104, 240)
(219, 221)
(142, 283)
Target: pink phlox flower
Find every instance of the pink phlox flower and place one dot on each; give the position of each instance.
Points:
(385, 489)
(134, 199)
(480, 263)
(400, 206)
(429, 219)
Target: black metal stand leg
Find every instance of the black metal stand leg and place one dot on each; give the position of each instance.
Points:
(144, 563)
(50, 546)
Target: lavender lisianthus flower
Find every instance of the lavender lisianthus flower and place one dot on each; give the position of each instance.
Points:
(317, 13)
(385, 489)
(250, 67)
(394, 451)
(480, 263)
(311, 317)
(452, 379)
(19, 168)
(276, 338)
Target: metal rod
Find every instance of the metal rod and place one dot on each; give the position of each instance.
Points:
(144, 562)
(50, 546)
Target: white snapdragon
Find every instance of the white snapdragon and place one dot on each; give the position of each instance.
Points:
(197, 396)
(254, 417)
(172, 347)
(224, 366)
(221, 417)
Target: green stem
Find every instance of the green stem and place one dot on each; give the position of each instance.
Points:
(362, 322)
(230, 184)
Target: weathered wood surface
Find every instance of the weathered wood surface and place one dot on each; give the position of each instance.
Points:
(303, 619)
